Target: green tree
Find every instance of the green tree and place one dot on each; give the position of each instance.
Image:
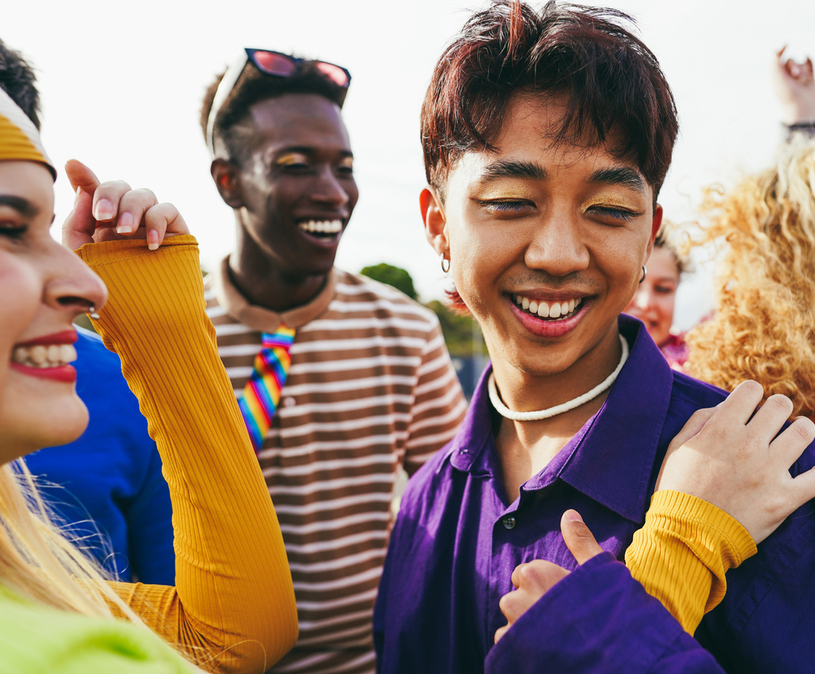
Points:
(392, 276)
(462, 334)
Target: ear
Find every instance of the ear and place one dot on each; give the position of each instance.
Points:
(435, 222)
(655, 225)
(226, 180)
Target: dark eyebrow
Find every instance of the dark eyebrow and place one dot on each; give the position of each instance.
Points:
(619, 175)
(23, 206)
(508, 168)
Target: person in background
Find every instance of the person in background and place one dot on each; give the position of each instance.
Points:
(342, 381)
(655, 297)
(762, 325)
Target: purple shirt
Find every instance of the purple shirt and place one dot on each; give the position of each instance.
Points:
(457, 540)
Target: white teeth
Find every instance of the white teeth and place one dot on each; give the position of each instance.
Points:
(547, 309)
(322, 226)
(41, 356)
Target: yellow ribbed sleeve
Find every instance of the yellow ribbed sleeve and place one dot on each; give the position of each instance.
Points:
(233, 605)
(683, 551)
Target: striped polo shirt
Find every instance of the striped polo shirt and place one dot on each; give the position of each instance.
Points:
(371, 389)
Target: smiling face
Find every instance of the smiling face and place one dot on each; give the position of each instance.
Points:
(546, 245)
(44, 286)
(297, 188)
(653, 302)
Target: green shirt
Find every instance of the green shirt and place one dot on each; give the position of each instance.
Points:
(36, 639)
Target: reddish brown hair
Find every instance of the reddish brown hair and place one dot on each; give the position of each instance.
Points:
(612, 79)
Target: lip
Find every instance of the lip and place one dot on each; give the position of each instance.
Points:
(64, 337)
(552, 329)
(63, 373)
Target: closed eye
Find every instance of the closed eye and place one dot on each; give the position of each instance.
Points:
(13, 231)
(616, 213)
(506, 206)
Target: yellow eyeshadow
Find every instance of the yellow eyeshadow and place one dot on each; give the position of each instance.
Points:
(503, 192)
(610, 201)
(290, 158)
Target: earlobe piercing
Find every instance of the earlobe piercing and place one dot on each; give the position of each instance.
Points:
(644, 273)
(445, 261)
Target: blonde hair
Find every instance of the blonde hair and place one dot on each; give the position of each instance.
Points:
(763, 328)
(39, 562)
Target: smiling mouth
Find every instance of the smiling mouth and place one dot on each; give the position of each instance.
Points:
(325, 230)
(550, 311)
(44, 356)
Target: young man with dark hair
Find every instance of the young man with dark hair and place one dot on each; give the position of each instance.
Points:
(361, 375)
(106, 486)
(547, 135)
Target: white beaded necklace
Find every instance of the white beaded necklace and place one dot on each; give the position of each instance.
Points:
(504, 411)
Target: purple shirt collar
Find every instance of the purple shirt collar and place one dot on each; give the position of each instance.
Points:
(600, 459)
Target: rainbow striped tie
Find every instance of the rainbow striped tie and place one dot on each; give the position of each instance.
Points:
(262, 392)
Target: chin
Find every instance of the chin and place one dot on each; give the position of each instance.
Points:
(26, 433)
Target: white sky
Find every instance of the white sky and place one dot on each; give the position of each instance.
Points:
(122, 82)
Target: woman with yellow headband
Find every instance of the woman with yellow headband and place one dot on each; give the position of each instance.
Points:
(233, 608)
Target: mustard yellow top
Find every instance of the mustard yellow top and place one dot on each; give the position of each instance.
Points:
(233, 607)
(683, 551)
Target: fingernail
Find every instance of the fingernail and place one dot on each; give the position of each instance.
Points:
(573, 516)
(125, 224)
(103, 210)
(78, 194)
(152, 239)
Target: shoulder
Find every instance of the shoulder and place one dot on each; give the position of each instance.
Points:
(695, 393)
(365, 294)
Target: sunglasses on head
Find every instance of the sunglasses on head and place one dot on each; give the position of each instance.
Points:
(271, 63)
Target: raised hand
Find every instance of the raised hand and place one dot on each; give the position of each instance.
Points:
(731, 458)
(534, 579)
(795, 88)
(112, 210)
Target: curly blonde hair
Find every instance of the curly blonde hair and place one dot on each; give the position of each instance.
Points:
(763, 328)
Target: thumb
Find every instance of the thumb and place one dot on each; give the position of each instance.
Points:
(79, 226)
(578, 538)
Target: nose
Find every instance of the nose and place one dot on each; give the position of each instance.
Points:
(329, 191)
(557, 245)
(72, 287)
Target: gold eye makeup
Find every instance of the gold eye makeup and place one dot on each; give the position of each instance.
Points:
(611, 201)
(291, 158)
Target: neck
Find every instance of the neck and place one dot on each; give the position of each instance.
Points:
(262, 282)
(526, 447)
(524, 391)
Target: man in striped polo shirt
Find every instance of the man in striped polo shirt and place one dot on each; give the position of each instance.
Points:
(370, 388)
